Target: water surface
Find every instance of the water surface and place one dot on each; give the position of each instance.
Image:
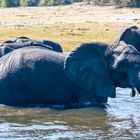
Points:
(120, 120)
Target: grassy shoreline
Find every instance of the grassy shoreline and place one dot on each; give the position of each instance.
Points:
(68, 35)
(68, 25)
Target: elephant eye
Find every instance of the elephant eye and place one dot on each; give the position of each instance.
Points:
(117, 53)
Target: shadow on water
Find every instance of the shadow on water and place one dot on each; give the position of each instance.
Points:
(120, 120)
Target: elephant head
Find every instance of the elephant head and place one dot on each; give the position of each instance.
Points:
(100, 68)
(124, 65)
(130, 35)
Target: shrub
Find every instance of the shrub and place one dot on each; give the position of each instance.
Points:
(9, 3)
(100, 2)
(43, 2)
(29, 2)
(120, 3)
(54, 2)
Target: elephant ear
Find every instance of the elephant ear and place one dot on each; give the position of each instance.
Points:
(55, 46)
(86, 67)
(7, 50)
(130, 35)
(4, 50)
(125, 34)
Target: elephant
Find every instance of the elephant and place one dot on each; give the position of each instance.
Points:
(88, 75)
(54, 46)
(21, 42)
(130, 35)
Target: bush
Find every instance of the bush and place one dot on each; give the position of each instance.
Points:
(67, 1)
(54, 2)
(134, 3)
(34, 2)
(120, 3)
(99, 2)
(29, 2)
(24, 2)
(9, 3)
(43, 2)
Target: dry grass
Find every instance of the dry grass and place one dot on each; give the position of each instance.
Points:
(68, 35)
(67, 25)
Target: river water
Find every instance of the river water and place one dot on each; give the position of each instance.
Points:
(119, 121)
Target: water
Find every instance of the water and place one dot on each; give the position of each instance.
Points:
(120, 120)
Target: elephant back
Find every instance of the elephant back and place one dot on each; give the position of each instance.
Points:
(50, 44)
(22, 42)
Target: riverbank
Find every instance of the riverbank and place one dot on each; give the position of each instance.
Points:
(68, 25)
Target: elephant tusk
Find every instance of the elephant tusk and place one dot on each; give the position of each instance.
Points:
(132, 94)
(135, 92)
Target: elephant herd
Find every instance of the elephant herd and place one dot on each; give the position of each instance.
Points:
(38, 73)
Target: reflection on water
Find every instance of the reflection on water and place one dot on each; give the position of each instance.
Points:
(120, 120)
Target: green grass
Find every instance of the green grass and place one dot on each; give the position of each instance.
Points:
(68, 35)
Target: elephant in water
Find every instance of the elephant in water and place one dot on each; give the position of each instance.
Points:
(21, 42)
(90, 73)
(130, 35)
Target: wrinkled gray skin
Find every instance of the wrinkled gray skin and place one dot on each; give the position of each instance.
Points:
(130, 35)
(22, 42)
(88, 75)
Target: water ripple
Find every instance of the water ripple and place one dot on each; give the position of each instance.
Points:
(120, 120)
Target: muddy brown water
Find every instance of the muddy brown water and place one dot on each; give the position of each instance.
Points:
(120, 120)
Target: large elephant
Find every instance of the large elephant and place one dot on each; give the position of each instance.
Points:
(89, 74)
(130, 35)
(22, 42)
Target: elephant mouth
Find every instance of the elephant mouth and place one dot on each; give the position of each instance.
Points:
(135, 91)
